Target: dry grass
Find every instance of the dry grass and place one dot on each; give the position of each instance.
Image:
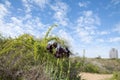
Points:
(106, 65)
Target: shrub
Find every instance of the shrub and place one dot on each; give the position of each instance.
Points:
(91, 68)
(116, 76)
(26, 56)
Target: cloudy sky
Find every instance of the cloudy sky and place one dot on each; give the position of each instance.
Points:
(93, 25)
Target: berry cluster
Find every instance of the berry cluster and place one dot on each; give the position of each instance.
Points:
(60, 52)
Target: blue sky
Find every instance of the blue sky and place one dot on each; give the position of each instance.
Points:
(93, 25)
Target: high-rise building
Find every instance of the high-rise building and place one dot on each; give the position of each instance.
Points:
(113, 53)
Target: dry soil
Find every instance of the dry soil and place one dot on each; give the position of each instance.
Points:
(94, 76)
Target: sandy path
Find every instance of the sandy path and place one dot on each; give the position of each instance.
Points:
(93, 76)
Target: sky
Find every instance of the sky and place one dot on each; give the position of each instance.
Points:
(90, 25)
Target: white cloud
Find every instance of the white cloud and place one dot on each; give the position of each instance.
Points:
(13, 28)
(115, 2)
(100, 40)
(19, 24)
(27, 5)
(3, 11)
(115, 39)
(7, 3)
(84, 35)
(60, 9)
(41, 3)
(103, 32)
(66, 36)
(86, 26)
(83, 4)
(117, 28)
(91, 18)
(60, 14)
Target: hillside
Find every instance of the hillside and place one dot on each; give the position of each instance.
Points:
(98, 68)
(107, 65)
(95, 65)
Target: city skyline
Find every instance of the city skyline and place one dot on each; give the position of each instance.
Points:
(93, 25)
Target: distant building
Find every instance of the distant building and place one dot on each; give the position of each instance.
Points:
(113, 53)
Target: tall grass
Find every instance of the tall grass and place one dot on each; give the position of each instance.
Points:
(26, 56)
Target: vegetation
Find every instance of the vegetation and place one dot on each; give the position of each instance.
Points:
(93, 65)
(26, 58)
(84, 66)
(116, 76)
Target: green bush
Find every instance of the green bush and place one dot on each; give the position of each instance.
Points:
(91, 68)
(116, 76)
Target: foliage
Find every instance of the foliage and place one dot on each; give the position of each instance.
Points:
(91, 68)
(26, 56)
(116, 76)
(102, 66)
(84, 66)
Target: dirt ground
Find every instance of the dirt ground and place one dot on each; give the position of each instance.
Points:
(94, 76)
